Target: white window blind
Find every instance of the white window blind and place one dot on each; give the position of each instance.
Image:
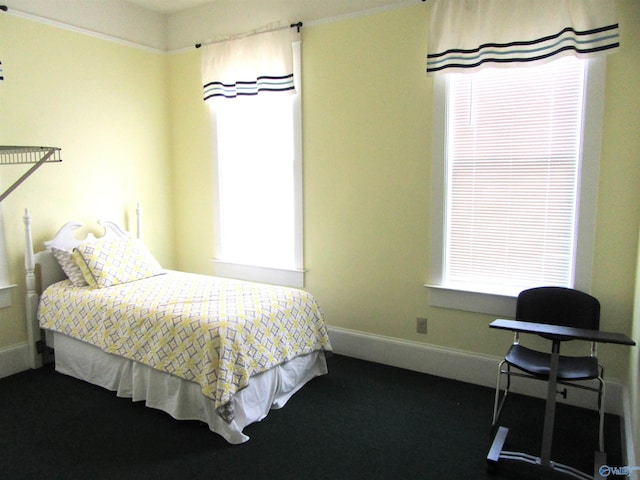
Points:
(513, 162)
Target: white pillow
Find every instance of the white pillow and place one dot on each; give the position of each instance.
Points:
(112, 262)
(65, 259)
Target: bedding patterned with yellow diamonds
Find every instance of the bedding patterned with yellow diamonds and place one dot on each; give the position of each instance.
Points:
(209, 330)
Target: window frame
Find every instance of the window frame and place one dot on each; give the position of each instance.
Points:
(442, 295)
(292, 277)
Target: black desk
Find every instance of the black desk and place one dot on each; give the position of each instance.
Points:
(559, 334)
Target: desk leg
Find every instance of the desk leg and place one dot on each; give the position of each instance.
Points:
(496, 447)
(544, 461)
(550, 408)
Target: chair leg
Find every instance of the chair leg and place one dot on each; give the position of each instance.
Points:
(497, 404)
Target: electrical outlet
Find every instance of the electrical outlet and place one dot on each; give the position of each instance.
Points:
(421, 325)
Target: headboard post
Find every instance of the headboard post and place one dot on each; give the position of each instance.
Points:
(29, 262)
(31, 297)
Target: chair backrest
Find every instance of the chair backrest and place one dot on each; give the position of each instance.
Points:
(559, 306)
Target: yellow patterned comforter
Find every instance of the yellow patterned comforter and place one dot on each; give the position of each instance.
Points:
(213, 331)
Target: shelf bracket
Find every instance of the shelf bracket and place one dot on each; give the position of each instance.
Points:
(12, 155)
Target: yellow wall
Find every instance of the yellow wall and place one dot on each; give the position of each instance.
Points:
(623, 153)
(367, 147)
(106, 105)
(192, 172)
(619, 195)
(367, 134)
(633, 380)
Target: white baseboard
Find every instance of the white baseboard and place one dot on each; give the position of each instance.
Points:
(469, 367)
(14, 359)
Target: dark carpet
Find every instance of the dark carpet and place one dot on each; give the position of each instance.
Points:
(361, 421)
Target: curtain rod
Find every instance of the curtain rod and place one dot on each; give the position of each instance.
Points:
(293, 25)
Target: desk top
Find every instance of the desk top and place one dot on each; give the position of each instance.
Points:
(564, 333)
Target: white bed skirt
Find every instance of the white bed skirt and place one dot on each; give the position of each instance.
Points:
(182, 399)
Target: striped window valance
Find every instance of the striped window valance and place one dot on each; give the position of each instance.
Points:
(469, 34)
(250, 65)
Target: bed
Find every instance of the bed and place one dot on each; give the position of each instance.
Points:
(221, 351)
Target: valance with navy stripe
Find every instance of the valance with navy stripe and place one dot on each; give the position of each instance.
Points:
(466, 35)
(251, 65)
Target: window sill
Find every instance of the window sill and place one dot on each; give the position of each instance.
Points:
(503, 305)
(275, 276)
(6, 297)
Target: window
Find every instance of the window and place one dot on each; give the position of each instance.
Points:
(258, 177)
(516, 154)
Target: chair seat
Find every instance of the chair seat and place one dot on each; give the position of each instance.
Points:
(539, 364)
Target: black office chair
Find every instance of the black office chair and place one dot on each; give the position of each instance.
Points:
(557, 306)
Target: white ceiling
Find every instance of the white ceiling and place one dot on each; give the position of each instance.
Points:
(169, 6)
(195, 21)
(332, 6)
